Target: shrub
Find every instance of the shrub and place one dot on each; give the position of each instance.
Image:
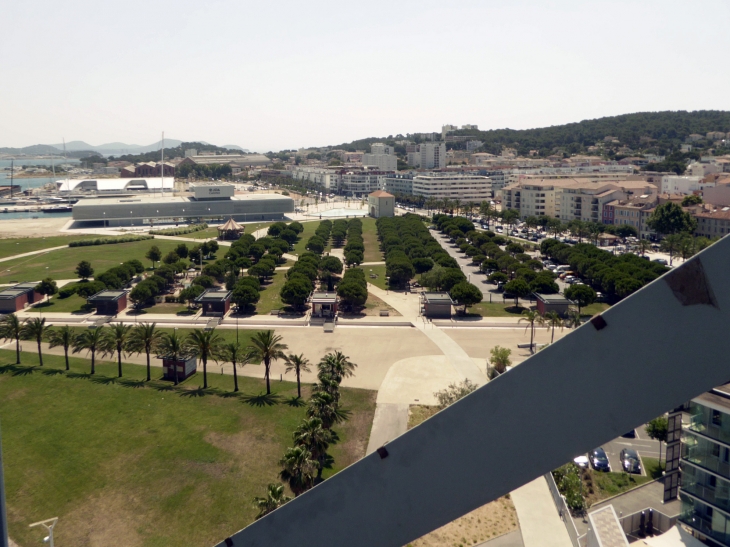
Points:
(109, 240)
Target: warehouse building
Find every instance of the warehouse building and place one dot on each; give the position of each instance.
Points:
(124, 186)
(209, 203)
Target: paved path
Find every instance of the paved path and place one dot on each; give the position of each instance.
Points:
(389, 422)
(539, 520)
(513, 539)
(471, 271)
(33, 253)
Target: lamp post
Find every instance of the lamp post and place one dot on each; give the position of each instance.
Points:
(3, 514)
(48, 524)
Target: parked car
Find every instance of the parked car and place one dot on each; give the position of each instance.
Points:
(630, 461)
(581, 461)
(660, 261)
(600, 297)
(599, 460)
(630, 434)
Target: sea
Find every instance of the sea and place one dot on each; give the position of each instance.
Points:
(35, 182)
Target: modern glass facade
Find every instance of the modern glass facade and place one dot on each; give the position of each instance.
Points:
(705, 465)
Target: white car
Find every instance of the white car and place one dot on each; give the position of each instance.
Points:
(581, 461)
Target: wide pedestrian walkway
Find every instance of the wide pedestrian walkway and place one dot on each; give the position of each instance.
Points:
(539, 520)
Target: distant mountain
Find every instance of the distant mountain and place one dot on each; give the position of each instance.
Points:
(119, 148)
(236, 147)
(34, 149)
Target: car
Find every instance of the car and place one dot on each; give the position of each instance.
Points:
(630, 461)
(629, 434)
(581, 461)
(660, 261)
(599, 460)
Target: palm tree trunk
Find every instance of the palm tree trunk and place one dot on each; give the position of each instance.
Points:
(119, 361)
(267, 364)
(93, 356)
(148, 365)
(532, 338)
(552, 336)
(235, 378)
(65, 354)
(299, 385)
(17, 351)
(40, 354)
(205, 372)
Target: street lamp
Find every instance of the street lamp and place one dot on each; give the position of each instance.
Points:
(48, 524)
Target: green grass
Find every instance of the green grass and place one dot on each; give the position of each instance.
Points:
(379, 270)
(62, 263)
(606, 485)
(145, 466)
(16, 246)
(270, 298)
(370, 240)
(203, 234)
(497, 309)
(72, 304)
(251, 228)
(309, 229)
(168, 308)
(652, 467)
(595, 308)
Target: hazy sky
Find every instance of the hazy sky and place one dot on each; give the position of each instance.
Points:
(282, 74)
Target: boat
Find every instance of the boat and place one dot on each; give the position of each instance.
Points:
(57, 209)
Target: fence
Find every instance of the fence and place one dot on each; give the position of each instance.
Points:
(563, 510)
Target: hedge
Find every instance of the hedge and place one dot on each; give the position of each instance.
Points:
(109, 240)
(179, 231)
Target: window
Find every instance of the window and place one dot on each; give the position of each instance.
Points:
(716, 418)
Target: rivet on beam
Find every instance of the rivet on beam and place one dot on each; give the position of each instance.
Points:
(599, 322)
(229, 542)
(382, 452)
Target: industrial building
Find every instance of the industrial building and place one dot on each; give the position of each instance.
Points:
(93, 186)
(209, 203)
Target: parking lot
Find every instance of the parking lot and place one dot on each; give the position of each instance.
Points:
(646, 448)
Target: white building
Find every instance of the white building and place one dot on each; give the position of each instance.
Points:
(433, 155)
(697, 169)
(398, 183)
(676, 184)
(473, 145)
(464, 187)
(382, 157)
(115, 186)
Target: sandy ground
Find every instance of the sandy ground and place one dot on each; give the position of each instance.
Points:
(478, 342)
(32, 227)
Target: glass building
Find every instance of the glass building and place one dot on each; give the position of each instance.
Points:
(705, 466)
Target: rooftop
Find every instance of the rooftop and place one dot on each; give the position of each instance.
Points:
(106, 296)
(437, 297)
(214, 295)
(381, 194)
(553, 298)
(323, 297)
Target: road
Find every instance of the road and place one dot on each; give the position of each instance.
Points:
(471, 271)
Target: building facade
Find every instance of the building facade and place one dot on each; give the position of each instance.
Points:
(472, 188)
(432, 155)
(398, 183)
(382, 157)
(381, 204)
(713, 223)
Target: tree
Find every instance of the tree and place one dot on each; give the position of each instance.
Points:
(171, 258)
(274, 499)
(64, 337)
(671, 244)
(154, 255)
(337, 365)
(181, 250)
(298, 469)
(47, 287)
(625, 231)
(141, 293)
(298, 364)
(311, 435)
(115, 339)
(324, 406)
(518, 288)
(172, 348)
(454, 392)
(465, 294)
(267, 347)
(399, 271)
(692, 199)
(244, 295)
(643, 246)
(657, 430)
(499, 359)
(203, 344)
(574, 321)
(352, 294)
(669, 218)
(583, 295)
(84, 270)
(11, 328)
(91, 341)
(235, 354)
(296, 291)
(36, 329)
(145, 338)
(553, 320)
(532, 318)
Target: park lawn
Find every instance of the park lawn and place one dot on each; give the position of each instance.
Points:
(168, 308)
(598, 485)
(208, 233)
(255, 226)
(652, 467)
(594, 309)
(309, 229)
(270, 297)
(61, 264)
(370, 240)
(497, 308)
(378, 270)
(16, 246)
(149, 466)
(72, 304)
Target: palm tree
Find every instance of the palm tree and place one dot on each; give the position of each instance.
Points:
(35, 329)
(116, 340)
(311, 435)
(324, 406)
(64, 337)
(90, 340)
(11, 328)
(299, 364)
(274, 499)
(457, 206)
(267, 347)
(574, 320)
(530, 317)
(337, 365)
(552, 320)
(643, 245)
(235, 354)
(298, 469)
(172, 347)
(203, 344)
(145, 338)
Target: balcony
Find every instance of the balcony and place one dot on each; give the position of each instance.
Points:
(710, 423)
(705, 454)
(694, 514)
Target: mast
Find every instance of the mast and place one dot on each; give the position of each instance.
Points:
(162, 165)
(12, 171)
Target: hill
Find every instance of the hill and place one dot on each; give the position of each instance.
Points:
(652, 132)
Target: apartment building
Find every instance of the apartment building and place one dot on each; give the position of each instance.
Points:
(361, 183)
(398, 183)
(676, 184)
(634, 212)
(321, 176)
(714, 223)
(462, 186)
(705, 466)
(433, 155)
(381, 157)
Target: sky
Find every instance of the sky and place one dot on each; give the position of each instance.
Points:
(284, 75)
